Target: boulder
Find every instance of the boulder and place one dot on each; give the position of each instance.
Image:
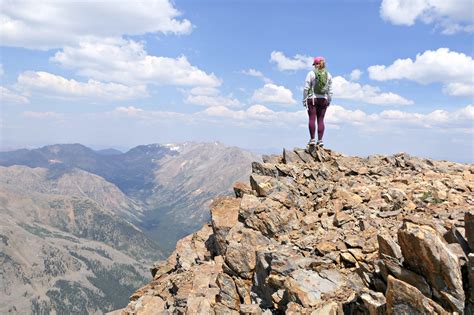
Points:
(470, 272)
(289, 156)
(264, 185)
(240, 189)
(374, 303)
(387, 247)
(404, 299)
(305, 287)
(149, 305)
(250, 309)
(469, 227)
(394, 268)
(265, 169)
(228, 295)
(425, 252)
(224, 215)
(455, 236)
(272, 158)
(243, 243)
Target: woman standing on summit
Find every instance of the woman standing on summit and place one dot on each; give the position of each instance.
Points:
(317, 96)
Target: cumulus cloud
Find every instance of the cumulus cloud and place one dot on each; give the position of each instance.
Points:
(298, 62)
(58, 86)
(336, 115)
(212, 100)
(453, 69)
(450, 16)
(8, 96)
(54, 24)
(461, 118)
(208, 96)
(459, 89)
(355, 74)
(257, 74)
(126, 61)
(365, 93)
(273, 94)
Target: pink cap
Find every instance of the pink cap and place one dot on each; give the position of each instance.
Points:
(318, 60)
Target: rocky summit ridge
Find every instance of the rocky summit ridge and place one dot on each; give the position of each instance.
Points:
(322, 233)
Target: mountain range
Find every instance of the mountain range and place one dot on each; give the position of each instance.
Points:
(81, 227)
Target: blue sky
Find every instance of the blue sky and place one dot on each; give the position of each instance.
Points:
(119, 74)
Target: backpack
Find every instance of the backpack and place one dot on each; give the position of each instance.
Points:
(320, 81)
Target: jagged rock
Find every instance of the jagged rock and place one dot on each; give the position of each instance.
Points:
(454, 235)
(274, 159)
(240, 189)
(264, 185)
(149, 305)
(250, 309)
(243, 289)
(331, 308)
(289, 156)
(314, 236)
(221, 309)
(341, 218)
(305, 287)
(274, 218)
(404, 299)
(224, 215)
(160, 268)
(228, 295)
(470, 272)
(426, 253)
(248, 206)
(198, 305)
(243, 243)
(305, 156)
(387, 247)
(394, 268)
(469, 227)
(374, 302)
(265, 169)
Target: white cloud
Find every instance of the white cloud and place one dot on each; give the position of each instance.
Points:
(56, 86)
(355, 74)
(453, 69)
(209, 96)
(461, 118)
(298, 62)
(459, 89)
(212, 100)
(129, 111)
(257, 74)
(54, 24)
(254, 116)
(273, 94)
(126, 61)
(42, 115)
(9, 96)
(450, 16)
(365, 93)
(336, 115)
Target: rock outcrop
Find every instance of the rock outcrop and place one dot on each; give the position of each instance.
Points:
(321, 233)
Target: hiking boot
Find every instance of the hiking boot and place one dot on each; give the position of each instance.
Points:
(320, 143)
